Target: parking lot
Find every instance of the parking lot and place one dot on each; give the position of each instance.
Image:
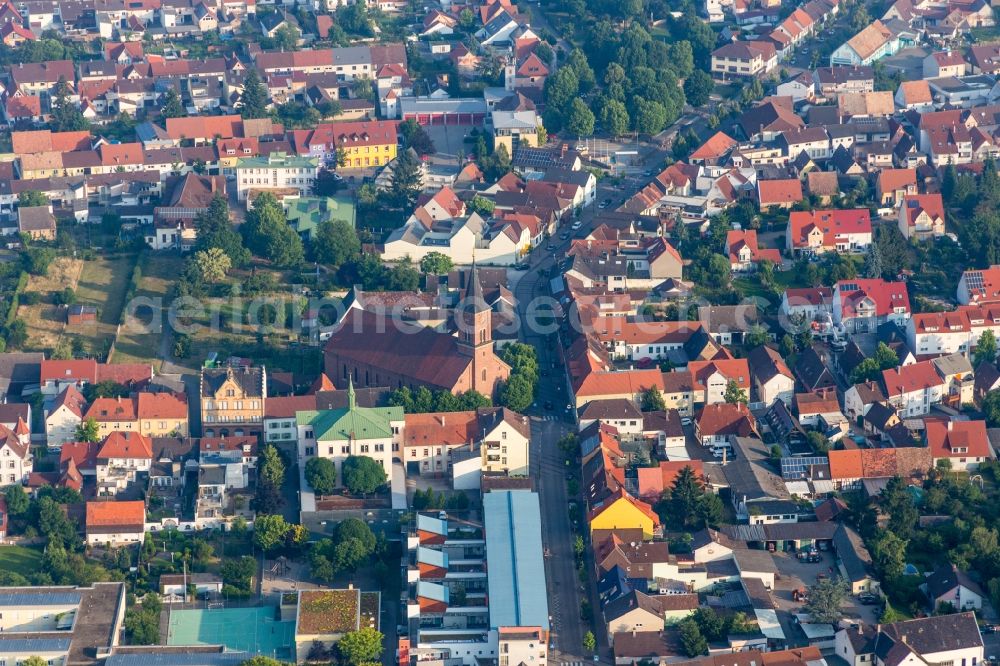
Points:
(796, 574)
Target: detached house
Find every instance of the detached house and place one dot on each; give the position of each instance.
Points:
(115, 523)
(63, 417)
(16, 462)
(921, 216)
(875, 41)
(864, 304)
(743, 59)
(964, 444)
(745, 254)
(818, 231)
(913, 389)
(783, 193)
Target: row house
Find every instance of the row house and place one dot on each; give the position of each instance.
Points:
(958, 331)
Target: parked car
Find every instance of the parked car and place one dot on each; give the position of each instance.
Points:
(576, 225)
(868, 600)
(551, 247)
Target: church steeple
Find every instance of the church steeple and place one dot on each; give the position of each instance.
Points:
(475, 320)
(351, 398)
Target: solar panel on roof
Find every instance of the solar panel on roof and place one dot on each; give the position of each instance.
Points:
(975, 280)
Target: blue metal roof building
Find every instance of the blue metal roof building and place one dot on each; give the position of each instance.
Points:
(517, 589)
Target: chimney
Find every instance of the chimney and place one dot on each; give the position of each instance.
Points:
(950, 423)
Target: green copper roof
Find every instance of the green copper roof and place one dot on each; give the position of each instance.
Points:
(306, 213)
(277, 160)
(331, 425)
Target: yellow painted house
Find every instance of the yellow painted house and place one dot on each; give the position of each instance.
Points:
(622, 511)
(367, 143)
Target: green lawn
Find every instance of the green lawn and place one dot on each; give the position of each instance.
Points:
(20, 560)
(103, 282)
(159, 273)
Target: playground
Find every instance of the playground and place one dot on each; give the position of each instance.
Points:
(255, 630)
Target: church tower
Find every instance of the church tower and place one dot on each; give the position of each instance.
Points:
(475, 319)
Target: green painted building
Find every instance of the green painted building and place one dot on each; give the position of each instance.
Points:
(305, 214)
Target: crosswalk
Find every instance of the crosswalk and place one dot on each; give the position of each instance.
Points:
(573, 663)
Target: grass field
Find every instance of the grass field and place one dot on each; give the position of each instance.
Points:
(138, 341)
(46, 322)
(20, 560)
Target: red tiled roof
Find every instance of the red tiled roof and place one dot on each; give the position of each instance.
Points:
(83, 454)
(832, 223)
(112, 409)
(737, 369)
(716, 146)
(27, 106)
(736, 240)
(775, 192)
(165, 405)
(116, 514)
(725, 418)
(126, 445)
(285, 407)
(204, 127)
(890, 180)
(653, 481)
(443, 429)
(910, 378)
(957, 439)
(887, 296)
(72, 399)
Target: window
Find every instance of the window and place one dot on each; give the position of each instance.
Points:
(345, 449)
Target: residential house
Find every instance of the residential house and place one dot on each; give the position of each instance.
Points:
(864, 304)
(620, 510)
(933, 640)
(232, 400)
(819, 231)
(122, 459)
(716, 423)
(874, 42)
(964, 444)
(921, 216)
(782, 194)
(913, 389)
(743, 59)
(772, 379)
(855, 563)
(63, 417)
(892, 185)
(115, 523)
(37, 222)
(277, 171)
(744, 253)
(712, 379)
(947, 586)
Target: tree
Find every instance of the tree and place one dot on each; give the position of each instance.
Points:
(53, 523)
(756, 337)
(404, 183)
(269, 531)
(267, 233)
(142, 621)
(321, 474)
(692, 642)
(986, 348)
(865, 371)
(335, 242)
(561, 88)
(212, 264)
(355, 528)
(261, 660)
(287, 37)
(32, 198)
(215, 230)
(818, 442)
(825, 599)
(326, 183)
(66, 116)
(589, 642)
(613, 116)
(889, 554)
(361, 646)
(239, 572)
(436, 263)
(17, 500)
(684, 499)
(481, 205)
(734, 394)
(254, 99)
(885, 357)
(712, 627)
(698, 88)
(580, 119)
(272, 468)
(88, 431)
(362, 475)
(517, 393)
(652, 400)
(873, 262)
(34, 661)
(172, 106)
(577, 59)
(416, 137)
(648, 117)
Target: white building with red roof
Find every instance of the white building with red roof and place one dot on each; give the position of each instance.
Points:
(63, 417)
(818, 231)
(807, 303)
(957, 331)
(744, 252)
(861, 305)
(979, 286)
(964, 444)
(121, 458)
(913, 389)
(921, 216)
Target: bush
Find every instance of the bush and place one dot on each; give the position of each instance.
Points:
(31, 298)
